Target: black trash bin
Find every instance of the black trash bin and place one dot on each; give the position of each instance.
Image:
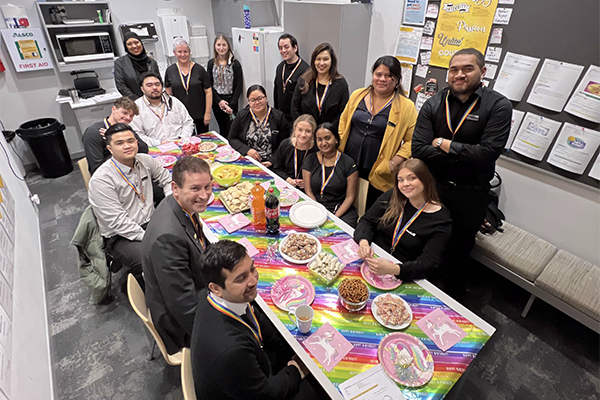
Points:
(47, 142)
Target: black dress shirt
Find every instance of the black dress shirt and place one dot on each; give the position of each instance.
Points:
(194, 99)
(282, 100)
(476, 145)
(335, 191)
(283, 160)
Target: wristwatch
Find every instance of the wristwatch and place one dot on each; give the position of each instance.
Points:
(439, 142)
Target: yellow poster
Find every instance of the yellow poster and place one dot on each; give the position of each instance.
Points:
(460, 25)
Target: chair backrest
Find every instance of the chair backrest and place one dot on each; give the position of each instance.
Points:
(187, 379)
(360, 201)
(85, 171)
(138, 303)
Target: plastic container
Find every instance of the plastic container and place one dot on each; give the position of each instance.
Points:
(272, 212)
(257, 207)
(47, 143)
(353, 306)
(225, 170)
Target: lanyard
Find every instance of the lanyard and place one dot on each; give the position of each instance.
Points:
(186, 84)
(162, 112)
(382, 108)
(106, 124)
(296, 161)
(324, 181)
(139, 194)
(464, 117)
(264, 122)
(285, 81)
(398, 232)
(197, 228)
(257, 333)
(320, 101)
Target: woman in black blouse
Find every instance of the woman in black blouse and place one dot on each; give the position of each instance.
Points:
(289, 157)
(227, 82)
(330, 176)
(130, 67)
(409, 222)
(258, 129)
(321, 91)
(190, 83)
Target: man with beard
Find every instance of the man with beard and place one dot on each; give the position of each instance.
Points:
(162, 117)
(172, 247)
(460, 133)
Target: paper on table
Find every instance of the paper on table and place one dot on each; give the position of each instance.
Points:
(444, 332)
(408, 44)
(535, 136)
(515, 123)
(429, 28)
(574, 148)
(515, 74)
(252, 251)
(585, 102)
(490, 72)
(496, 36)
(347, 251)
(372, 384)
(165, 147)
(407, 71)
(595, 171)
(425, 57)
(328, 346)
(554, 84)
(502, 16)
(432, 10)
(493, 54)
(232, 223)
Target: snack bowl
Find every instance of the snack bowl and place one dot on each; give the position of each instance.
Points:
(353, 306)
(326, 267)
(230, 181)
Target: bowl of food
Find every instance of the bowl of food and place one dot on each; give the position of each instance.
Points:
(227, 175)
(326, 266)
(299, 248)
(353, 294)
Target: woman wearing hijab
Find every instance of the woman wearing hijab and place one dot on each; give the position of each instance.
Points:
(130, 67)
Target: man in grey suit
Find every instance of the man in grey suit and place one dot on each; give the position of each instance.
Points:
(171, 250)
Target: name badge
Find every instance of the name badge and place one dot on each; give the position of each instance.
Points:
(411, 233)
(472, 117)
(390, 123)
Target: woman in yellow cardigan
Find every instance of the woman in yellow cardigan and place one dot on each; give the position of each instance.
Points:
(376, 127)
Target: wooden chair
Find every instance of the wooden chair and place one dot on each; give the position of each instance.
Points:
(360, 201)
(85, 172)
(187, 379)
(138, 303)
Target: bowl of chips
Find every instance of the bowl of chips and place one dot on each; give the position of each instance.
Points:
(353, 294)
(227, 175)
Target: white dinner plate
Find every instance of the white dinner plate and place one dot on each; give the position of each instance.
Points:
(295, 261)
(308, 214)
(378, 318)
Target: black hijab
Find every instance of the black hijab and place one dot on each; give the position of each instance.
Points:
(139, 62)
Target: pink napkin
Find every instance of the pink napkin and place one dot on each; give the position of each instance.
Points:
(252, 251)
(328, 346)
(164, 147)
(444, 332)
(346, 251)
(232, 223)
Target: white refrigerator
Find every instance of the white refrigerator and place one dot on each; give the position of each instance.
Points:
(256, 49)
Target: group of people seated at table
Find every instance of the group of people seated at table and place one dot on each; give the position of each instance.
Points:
(201, 294)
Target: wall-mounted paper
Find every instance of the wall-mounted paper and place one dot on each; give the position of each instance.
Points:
(496, 36)
(407, 71)
(492, 54)
(425, 57)
(554, 84)
(491, 71)
(535, 136)
(426, 42)
(574, 148)
(408, 44)
(502, 16)
(429, 28)
(432, 10)
(420, 100)
(414, 12)
(515, 123)
(422, 71)
(515, 74)
(595, 171)
(506, 1)
(585, 102)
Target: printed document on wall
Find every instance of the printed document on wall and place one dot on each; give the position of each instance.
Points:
(554, 84)
(574, 148)
(585, 102)
(595, 171)
(535, 136)
(408, 44)
(515, 74)
(515, 123)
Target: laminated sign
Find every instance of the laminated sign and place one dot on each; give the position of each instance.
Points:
(460, 25)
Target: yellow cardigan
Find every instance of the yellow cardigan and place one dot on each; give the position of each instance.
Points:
(396, 140)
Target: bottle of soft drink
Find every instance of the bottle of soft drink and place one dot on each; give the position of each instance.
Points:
(257, 207)
(272, 212)
(275, 188)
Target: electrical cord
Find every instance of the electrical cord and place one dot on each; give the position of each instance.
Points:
(8, 157)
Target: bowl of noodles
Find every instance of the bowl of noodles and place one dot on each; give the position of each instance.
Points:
(353, 294)
(227, 175)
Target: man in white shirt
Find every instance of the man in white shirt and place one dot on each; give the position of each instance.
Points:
(120, 193)
(162, 117)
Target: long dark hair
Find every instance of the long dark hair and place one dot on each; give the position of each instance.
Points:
(311, 74)
(398, 200)
(395, 68)
(229, 49)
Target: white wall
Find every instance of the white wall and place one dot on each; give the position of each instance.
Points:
(30, 95)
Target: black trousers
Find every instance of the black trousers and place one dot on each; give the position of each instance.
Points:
(127, 253)
(223, 119)
(200, 127)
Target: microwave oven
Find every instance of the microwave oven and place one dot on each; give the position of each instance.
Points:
(85, 46)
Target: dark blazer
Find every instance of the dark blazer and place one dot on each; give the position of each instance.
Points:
(172, 273)
(229, 364)
(127, 79)
(283, 100)
(333, 104)
(238, 83)
(241, 124)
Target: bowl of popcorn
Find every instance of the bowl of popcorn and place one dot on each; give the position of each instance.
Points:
(326, 267)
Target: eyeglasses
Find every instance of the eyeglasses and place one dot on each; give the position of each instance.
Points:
(257, 100)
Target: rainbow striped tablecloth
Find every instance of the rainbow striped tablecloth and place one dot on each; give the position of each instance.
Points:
(361, 329)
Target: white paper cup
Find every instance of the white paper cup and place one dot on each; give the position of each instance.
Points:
(302, 317)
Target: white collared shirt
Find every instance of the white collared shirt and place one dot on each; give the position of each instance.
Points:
(238, 308)
(155, 124)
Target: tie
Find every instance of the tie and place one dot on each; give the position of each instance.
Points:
(198, 229)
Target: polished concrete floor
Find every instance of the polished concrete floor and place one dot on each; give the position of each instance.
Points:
(102, 352)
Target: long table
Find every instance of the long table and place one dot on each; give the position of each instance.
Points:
(360, 328)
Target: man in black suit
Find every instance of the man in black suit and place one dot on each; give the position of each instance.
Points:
(171, 250)
(237, 354)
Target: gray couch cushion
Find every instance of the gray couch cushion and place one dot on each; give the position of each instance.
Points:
(573, 280)
(519, 251)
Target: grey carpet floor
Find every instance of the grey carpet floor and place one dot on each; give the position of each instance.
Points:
(102, 352)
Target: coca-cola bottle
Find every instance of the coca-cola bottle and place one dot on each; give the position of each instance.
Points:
(272, 212)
